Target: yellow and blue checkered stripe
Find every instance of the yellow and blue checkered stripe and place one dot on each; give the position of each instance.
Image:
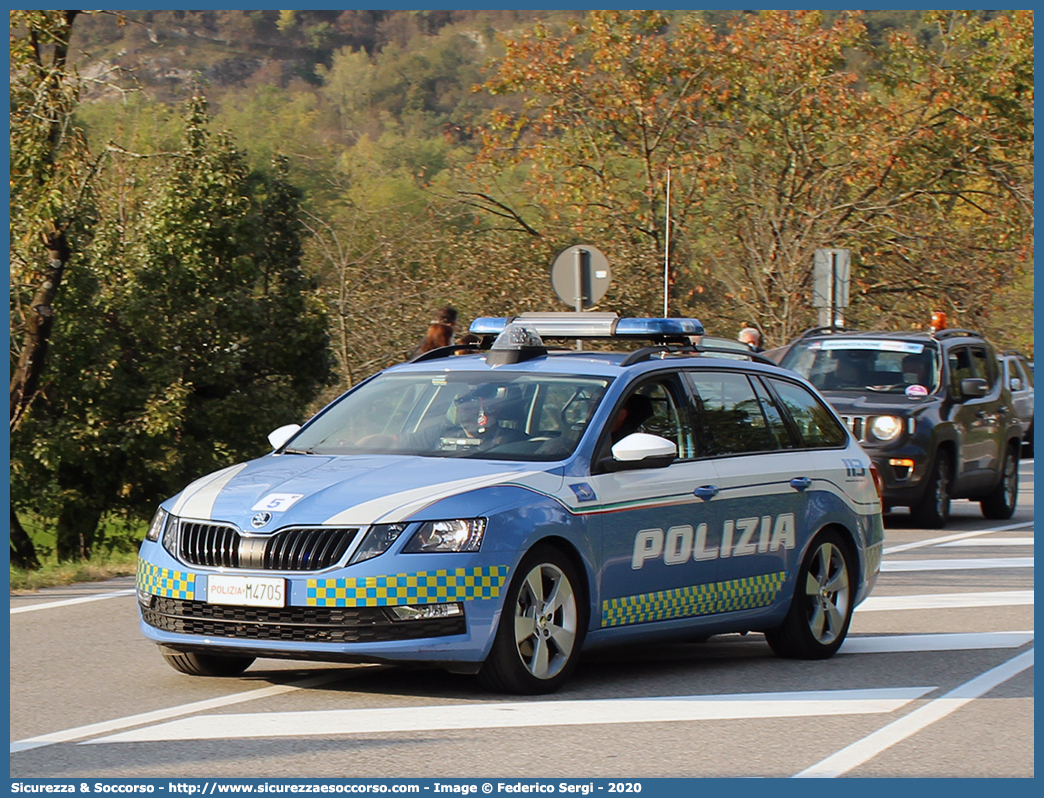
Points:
(685, 602)
(423, 587)
(163, 582)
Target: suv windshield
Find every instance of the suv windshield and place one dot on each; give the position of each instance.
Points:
(865, 365)
(499, 416)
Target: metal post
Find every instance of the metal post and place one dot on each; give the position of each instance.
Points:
(579, 298)
(667, 245)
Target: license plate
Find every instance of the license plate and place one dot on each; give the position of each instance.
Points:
(246, 591)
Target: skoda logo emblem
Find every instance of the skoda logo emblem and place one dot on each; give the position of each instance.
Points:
(260, 519)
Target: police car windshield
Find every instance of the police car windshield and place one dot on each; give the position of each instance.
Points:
(480, 415)
(866, 365)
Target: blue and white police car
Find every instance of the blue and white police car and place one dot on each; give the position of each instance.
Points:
(499, 508)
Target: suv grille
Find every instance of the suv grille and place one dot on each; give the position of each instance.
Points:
(302, 624)
(293, 549)
(857, 426)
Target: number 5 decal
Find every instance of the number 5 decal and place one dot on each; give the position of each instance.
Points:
(277, 502)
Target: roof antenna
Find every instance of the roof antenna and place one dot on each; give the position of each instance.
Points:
(667, 245)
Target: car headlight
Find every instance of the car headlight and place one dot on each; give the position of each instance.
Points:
(377, 541)
(159, 523)
(886, 428)
(462, 534)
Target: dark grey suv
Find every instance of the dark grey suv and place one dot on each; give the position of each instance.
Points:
(931, 410)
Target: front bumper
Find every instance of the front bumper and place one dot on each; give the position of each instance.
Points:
(903, 471)
(341, 614)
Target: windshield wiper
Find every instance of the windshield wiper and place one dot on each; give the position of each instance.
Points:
(298, 451)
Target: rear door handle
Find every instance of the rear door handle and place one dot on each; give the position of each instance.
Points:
(800, 483)
(707, 492)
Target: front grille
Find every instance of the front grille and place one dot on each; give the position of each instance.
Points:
(857, 426)
(301, 624)
(292, 549)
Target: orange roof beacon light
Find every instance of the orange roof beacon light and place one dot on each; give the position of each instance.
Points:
(938, 322)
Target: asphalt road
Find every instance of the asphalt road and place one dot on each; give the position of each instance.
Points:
(936, 679)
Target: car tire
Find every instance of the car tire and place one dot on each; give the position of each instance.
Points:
(207, 664)
(821, 607)
(933, 510)
(1000, 503)
(541, 626)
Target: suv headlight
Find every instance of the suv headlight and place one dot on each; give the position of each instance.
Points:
(462, 534)
(159, 523)
(886, 428)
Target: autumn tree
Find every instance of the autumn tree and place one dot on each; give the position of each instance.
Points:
(49, 195)
(783, 135)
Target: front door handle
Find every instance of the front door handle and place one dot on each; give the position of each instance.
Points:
(706, 492)
(800, 483)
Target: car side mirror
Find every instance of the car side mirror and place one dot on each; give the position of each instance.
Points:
(640, 450)
(1015, 384)
(974, 388)
(280, 436)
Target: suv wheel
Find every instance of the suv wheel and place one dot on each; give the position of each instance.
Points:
(1000, 503)
(821, 607)
(541, 626)
(933, 510)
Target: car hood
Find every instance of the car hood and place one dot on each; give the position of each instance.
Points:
(864, 404)
(354, 491)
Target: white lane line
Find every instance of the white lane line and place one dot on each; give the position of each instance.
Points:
(966, 641)
(917, 544)
(955, 564)
(532, 713)
(80, 732)
(942, 601)
(67, 602)
(864, 750)
(988, 542)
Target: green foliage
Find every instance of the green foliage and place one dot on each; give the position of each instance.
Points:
(187, 335)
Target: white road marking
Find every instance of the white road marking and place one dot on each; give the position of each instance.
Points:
(955, 564)
(988, 542)
(917, 544)
(531, 713)
(862, 751)
(939, 601)
(895, 644)
(80, 732)
(67, 602)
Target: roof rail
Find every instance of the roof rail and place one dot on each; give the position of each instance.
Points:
(446, 351)
(954, 332)
(647, 352)
(1012, 352)
(829, 328)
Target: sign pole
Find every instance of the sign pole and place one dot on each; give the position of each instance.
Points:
(667, 246)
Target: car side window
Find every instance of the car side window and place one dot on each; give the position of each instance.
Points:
(652, 408)
(960, 368)
(729, 415)
(984, 366)
(1025, 374)
(815, 423)
(773, 415)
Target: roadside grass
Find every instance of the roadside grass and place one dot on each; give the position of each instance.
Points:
(115, 554)
(54, 574)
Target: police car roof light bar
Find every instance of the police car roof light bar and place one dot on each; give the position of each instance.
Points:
(589, 325)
